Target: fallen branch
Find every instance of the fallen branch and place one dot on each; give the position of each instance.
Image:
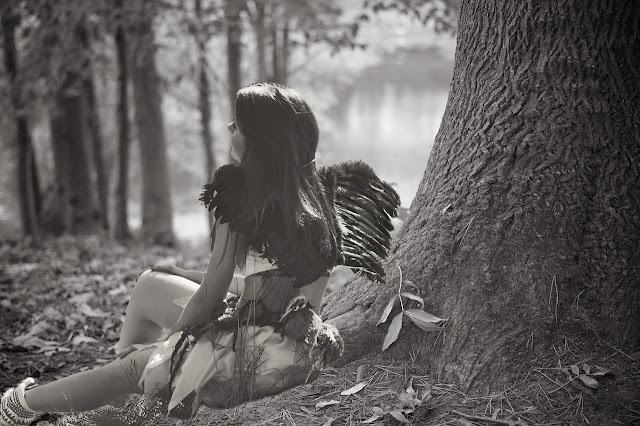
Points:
(486, 419)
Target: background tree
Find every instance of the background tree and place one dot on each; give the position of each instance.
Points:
(234, 49)
(94, 126)
(201, 32)
(76, 205)
(28, 186)
(121, 227)
(526, 225)
(281, 26)
(156, 200)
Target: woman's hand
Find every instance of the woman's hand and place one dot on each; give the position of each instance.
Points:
(167, 269)
(191, 274)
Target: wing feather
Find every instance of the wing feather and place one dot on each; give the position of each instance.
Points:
(364, 205)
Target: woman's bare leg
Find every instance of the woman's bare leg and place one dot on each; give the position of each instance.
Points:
(90, 389)
(151, 307)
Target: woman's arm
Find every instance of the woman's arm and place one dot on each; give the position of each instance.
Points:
(216, 280)
(190, 274)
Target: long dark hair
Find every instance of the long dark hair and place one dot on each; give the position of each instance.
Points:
(281, 135)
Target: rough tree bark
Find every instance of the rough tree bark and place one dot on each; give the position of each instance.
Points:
(156, 200)
(121, 224)
(204, 93)
(28, 188)
(526, 225)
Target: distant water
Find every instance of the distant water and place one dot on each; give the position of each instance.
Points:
(390, 118)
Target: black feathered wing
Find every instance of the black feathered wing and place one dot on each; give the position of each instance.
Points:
(364, 205)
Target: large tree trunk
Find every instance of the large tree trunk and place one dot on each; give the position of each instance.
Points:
(68, 136)
(526, 225)
(76, 204)
(156, 200)
(204, 93)
(93, 124)
(28, 187)
(121, 224)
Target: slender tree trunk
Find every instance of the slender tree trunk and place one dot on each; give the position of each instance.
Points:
(156, 200)
(284, 54)
(526, 225)
(204, 93)
(280, 51)
(121, 225)
(28, 188)
(93, 124)
(260, 30)
(35, 185)
(275, 53)
(234, 50)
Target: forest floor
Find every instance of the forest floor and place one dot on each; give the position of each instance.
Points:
(62, 303)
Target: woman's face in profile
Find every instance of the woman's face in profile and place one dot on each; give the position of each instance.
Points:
(238, 143)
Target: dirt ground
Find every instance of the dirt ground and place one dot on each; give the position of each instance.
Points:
(62, 302)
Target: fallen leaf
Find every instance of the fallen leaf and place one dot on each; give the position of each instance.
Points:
(88, 311)
(425, 395)
(399, 416)
(370, 419)
(393, 332)
(601, 373)
(306, 410)
(575, 369)
(34, 342)
(52, 314)
(20, 268)
(329, 421)
(589, 381)
(323, 404)
(81, 298)
(578, 385)
(119, 290)
(81, 338)
(355, 389)
(40, 328)
(408, 399)
(409, 388)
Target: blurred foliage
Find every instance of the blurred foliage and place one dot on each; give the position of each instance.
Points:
(327, 53)
(442, 14)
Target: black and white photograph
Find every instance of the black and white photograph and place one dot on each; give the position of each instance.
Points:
(319, 212)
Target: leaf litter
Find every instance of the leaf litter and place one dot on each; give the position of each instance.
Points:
(48, 332)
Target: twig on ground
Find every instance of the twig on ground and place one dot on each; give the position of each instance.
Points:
(487, 419)
(628, 356)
